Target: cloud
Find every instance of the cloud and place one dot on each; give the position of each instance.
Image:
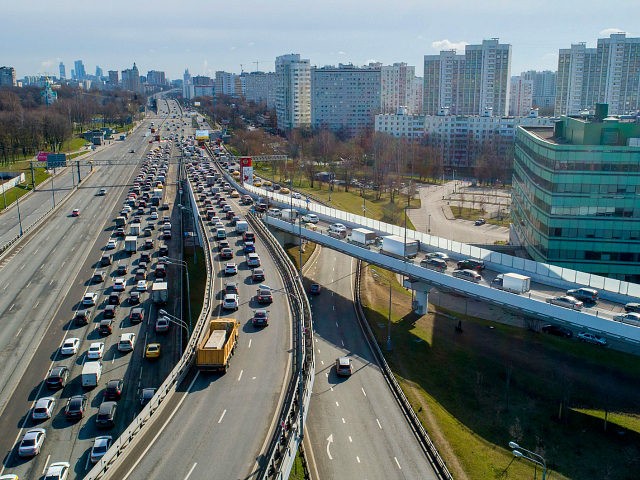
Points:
(251, 44)
(46, 65)
(608, 31)
(448, 45)
(342, 53)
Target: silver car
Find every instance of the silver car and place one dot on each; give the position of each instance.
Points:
(566, 301)
(32, 442)
(43, 408)
(100, 447)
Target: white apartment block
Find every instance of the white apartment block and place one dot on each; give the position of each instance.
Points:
(471, 83)
(293, 92)
(187, 86)
(345, 98)
(609, 73)
(260, 87)
(417, 98)
(521, 93)
(225, 83)
(544, 87)
(397, 86)
(401, 124)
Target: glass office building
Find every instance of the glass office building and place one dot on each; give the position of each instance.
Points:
(576, 194)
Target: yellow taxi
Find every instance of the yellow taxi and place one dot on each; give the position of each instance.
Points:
(152, 350)
(257, 183)
(236, 174)
(234, 194)
(311, 226)
(285, 191)
(267, 183)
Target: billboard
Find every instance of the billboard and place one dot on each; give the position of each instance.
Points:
(55, 160)
(246, 170)
(42, 156)
(202, 135)
(196, 104)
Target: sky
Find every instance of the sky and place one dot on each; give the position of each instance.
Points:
(210, 35)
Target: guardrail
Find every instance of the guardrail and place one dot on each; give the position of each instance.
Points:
(418, 429)
(151, 411)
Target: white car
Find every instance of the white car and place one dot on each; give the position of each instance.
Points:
(338, 227)
(310, 218)
(127, 342)
(32, 442)
(592, 338)
(100, 447)
(296, 195)
(230, 269)
(70, 346)
(630, 317)
(89, 298)
(274, 212)
(141, 286)
(43, 408)
(230, 302)
(253, 260)
(111, 244)
(154, 216)
(95, 351)
(119, 284)
(58, 471)
(440, 255)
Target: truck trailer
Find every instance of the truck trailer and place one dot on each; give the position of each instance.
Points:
(362, 236)
(512, 282)
(218, 344)
(131, 244)
(395, 246)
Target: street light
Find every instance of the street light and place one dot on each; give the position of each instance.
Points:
(175, 261)
(377, 276)
(520, 452)
(175, 320)
(182, 208)
(18, 207)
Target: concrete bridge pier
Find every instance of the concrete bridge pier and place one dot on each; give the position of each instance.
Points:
(420, 295)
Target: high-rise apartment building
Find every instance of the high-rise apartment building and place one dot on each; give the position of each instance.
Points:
(397, 86)
(114, 80)
(80, 73)
(99, 72)
(544, 88)
(131, 79)
(225, 83)
(609, 73)
(345, 99)
(203, 86)
(187, 85)
(156, 78)
(521, 94)
(469, 84)
(8, 77)
(293, 92)
(261, 87)
(417, 98)
(63, 71)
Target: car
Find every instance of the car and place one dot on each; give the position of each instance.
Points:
(592, 338)
(96, 350)
(111, 244)
(152, 350)
(113, 390)
(57, 377)
(162, 324)
(136, 315)
(274, 212)
(82, 317)
(102, 192)
(585, 294)
(122, 269)
(344, 367)
(230, 269)
(127, 342)
(119, 284)
(253, 260)
(141, 274)
(58, 471)
(146, 395)
(434, 263)
(43, 409)
(75, 212)
(154, 216)
(114, 298)
(120, 232)
(106, 417)
(338, 227)
(480, 221)
(557, 330)
(70, 346)
(310, 218)
(106, 326)
(230, 301)
(134, 297)
(440, 255)
(631, 317)
(315, 289)
(76, 407)
(260, 318)
(467, 274)
(100, 447)
(257, 275)
(296, 195)
(263, 296)
(110, 311)
(231, 287)
(32, 442)
(89, 299)
(566, 301)
(470, 264)
(632, 307)
(160, 271)
(141, 286)
(99, 276)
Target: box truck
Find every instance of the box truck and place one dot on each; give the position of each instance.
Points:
(218, 344)
(362, 236)
(512, 282)
(395, 246)
(241, 226)
(134, 229)
(131, 244)
(91, 373)
(288, 215)
(159, 292)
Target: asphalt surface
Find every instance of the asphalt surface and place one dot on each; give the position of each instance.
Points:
(44, 280)
(355, 426)
(220, 423)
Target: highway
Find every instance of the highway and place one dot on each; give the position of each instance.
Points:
(355, 426)
(221, 422)
(44, 279)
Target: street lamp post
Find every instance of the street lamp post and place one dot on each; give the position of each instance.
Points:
(19, 217)
(176, 321)
(183, 208)
(389, 343)
(176, 261)
(520, 452)
(429, 225)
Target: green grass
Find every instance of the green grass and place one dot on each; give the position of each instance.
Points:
(16, 192)
(197, 281)
(73, 144)
(466, 213)
(457, 384)
(293, 252)
(297, 472)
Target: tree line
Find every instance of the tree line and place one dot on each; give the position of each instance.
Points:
(27, 125)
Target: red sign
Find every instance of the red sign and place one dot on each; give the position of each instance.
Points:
(245, 161)
(42, 156)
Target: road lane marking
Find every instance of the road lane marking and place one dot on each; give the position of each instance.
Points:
(358, 459)
(11, 307)
(329, 442)
(331, 388)
(36, 251)
(363, 392)
(337, 326)
(240, 376)
(222, 416)
(326, 374)
(397, 463)
(86, 464)
(334, 309)
(379, 423)
(22, 267)
(318, 350)
(350, 439)
(36, 305)
(46, 463)
(342, 341)
(343, 421)
(19, 331)
(28, 284)
(337, 404)
(321, 362)
(250, 343)
(50, 283)
(191, 471)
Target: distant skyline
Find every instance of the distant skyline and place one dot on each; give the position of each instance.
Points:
(209, 36)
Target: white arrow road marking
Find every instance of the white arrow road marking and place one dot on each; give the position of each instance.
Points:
(397, 463)
(329, 442)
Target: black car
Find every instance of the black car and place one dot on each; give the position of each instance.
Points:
(315, 289)
(136, 315)
(470, 264)
(632, 307)
(110, 311)
(264, 296)
(557, 331)
(113, 391)
(57, 377)
(76, 406)
(257, 275)
(134, 297)
(106, 417)
(114, 298)
(260, 318)
(106, 326)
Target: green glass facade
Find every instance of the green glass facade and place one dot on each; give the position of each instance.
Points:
(576, 196)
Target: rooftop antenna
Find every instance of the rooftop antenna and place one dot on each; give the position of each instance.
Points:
(257, 68)
(241, 69)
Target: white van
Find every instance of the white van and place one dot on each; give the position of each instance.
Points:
(91, 373)
(221, 234)
(241, 226)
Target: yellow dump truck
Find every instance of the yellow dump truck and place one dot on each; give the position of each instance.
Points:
(217, 346)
